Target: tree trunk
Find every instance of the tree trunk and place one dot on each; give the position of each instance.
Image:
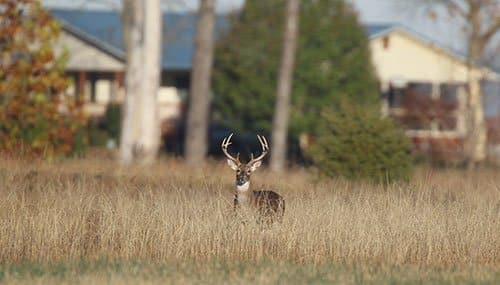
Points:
(281, 113)
(199, 97)
(476, 140)
(140, 127)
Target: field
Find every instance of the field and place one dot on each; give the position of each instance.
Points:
(91, 222)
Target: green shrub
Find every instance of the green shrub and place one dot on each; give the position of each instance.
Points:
(98, 136)
(106, 128)
(357, 143)
(112, 120)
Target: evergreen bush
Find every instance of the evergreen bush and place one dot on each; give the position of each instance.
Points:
(356, 143)
(113, 120)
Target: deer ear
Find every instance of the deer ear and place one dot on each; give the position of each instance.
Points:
(232, 164)
(256, 165)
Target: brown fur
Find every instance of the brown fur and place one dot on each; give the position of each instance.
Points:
(269, 204)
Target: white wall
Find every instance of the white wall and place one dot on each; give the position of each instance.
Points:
(411, 60)
(83, 56)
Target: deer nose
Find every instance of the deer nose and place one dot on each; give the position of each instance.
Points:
(240, 181)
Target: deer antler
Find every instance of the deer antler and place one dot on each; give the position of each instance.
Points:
(265, 150)
(225, 143)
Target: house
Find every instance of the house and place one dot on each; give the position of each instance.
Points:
(423, 87)
(423, 84)
(96, 58)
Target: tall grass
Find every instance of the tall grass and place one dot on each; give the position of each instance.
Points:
(93, 209)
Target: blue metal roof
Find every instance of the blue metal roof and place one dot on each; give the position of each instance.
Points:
(104, 30)
(373, 30)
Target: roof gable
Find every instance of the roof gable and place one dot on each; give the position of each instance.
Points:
(380, 30)
(103, 29)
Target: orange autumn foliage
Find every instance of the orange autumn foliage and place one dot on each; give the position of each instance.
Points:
(36, 117)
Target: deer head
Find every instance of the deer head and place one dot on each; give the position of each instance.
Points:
(243, 170)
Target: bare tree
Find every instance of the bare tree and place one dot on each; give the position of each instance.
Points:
(481, 20)
(281, 113)
(199, 97)
(142, 35)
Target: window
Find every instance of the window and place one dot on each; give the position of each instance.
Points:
(418, 104)
(416, 108)
(395, 96)
(448, 98)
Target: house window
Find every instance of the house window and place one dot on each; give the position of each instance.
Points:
(413, 122)
(417, 103)
(395, 96)
(410, 105)
(424, 106)
(447, 123)
(448, 105)
(419, 91)
(449, 95)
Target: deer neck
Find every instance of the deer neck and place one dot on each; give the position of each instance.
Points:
(243, 194)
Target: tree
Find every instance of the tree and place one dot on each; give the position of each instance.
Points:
(281, 113)
(358, 144)
(140, 127)
(199, 99)
(481, 20)
(332, 62)
(37, 118)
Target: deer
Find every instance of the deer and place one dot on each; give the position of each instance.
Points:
(269, 204)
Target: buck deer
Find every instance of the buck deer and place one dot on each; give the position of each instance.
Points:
(270, 205)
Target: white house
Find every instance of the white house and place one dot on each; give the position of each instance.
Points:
(424, 87)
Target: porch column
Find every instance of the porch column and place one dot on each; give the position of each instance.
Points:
(93, 81)
(80, 92)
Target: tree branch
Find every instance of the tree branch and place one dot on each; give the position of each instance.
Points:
(492, 29)
(453, 7)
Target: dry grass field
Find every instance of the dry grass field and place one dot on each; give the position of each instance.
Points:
(91, 222)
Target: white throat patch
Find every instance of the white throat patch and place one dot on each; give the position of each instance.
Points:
(244, 187)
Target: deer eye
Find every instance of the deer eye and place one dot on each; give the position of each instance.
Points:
(238, 171)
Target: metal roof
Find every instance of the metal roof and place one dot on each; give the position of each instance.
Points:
(103, 29)
(373, 30)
